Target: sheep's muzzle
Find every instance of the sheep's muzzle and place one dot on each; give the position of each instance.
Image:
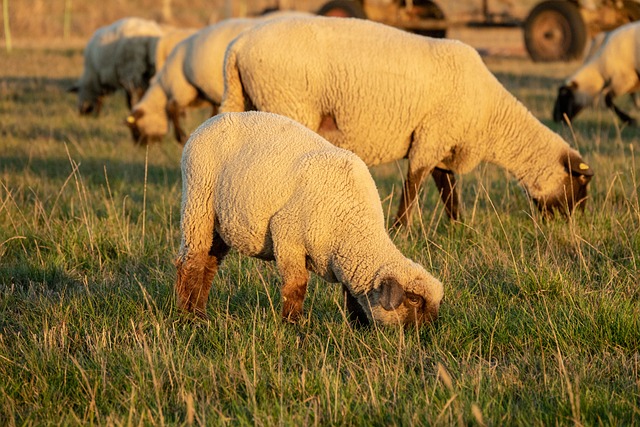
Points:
(572, 193)
(566, 104)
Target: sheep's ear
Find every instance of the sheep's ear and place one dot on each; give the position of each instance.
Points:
(574, 164)
(73, 88)
(577, 167)
(134, 117)
(567, 89)
(391, 294)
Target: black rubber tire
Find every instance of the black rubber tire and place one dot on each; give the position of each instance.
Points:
(555, 31)
(431, 11)
(343, 9)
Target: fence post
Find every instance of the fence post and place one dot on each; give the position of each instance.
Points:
(66, 28)
(7, 30)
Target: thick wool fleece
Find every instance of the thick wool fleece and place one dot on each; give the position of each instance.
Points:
(272, 189)
(389, 94)
(168, 41)
(119, 55)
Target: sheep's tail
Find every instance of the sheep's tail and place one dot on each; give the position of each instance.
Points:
(234, 97)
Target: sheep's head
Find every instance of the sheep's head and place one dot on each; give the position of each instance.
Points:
(144, 128)
(567, 103)
(572, 191)
(415, 302)
(89, 98)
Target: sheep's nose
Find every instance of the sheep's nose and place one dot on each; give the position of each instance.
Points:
(86, 108)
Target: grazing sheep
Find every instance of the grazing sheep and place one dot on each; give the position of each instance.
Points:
(610, 70)
(386, 94)
(191, 77)
(119, 55)
(168, 41)
(273, 189)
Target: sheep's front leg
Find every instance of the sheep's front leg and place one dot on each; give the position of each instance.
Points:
(294, 290)
(133, 94)
(175, 112)
(409, 195)
(195, 274)
(608, 99)
(355, 313)
(446, 182)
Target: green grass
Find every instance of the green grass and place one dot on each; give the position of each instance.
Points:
(540, 324)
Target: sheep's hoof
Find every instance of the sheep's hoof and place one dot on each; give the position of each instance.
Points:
(194, 316)
(292, 317)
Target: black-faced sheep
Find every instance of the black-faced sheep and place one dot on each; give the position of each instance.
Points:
(386, 94)
(610, 70)
(273, 189)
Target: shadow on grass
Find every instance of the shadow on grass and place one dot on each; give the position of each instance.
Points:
(119, 171)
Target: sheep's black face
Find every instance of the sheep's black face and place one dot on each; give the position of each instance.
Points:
(90, 107)
(566, 103)
(573, 190)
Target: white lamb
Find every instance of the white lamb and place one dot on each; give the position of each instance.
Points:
(273, 189)
(386, 94)
(192, 76)
(612, 70)
(123, 55)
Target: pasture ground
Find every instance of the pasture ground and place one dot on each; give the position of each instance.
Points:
(540, 325)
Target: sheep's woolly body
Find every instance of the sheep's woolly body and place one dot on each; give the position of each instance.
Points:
(392, 95)
(118, 55)
(193, 70)
(611, 70)
(168, 41)
(193, 73)
(273, 189)
(615, 63)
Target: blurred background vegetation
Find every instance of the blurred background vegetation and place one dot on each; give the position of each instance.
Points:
(78, 19)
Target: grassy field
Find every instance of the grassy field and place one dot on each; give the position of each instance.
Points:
(540, 325)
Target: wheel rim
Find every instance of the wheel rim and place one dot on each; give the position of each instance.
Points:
(551, 35)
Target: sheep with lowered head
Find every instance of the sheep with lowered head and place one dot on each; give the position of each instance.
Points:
(386, 94)
(273, 189)
(192, 76)
(610, 71)
(119, 55)
(123, 55)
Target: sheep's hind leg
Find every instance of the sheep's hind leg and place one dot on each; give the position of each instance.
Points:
(195, 274)
(175, 112)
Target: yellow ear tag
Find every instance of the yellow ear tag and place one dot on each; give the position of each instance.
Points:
(131, 119)
(583, 166)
